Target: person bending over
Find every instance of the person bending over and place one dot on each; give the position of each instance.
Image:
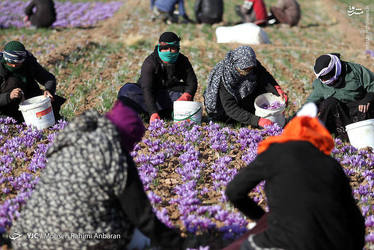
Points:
(233, 85)
(343, 92)
(310, 200)
(286, 11)
(165, 9)
(43, 16)
(90, 195)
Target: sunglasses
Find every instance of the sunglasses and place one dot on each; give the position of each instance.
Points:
(166, 46)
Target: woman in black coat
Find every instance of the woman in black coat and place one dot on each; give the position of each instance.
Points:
(308, 194)
(233, 85)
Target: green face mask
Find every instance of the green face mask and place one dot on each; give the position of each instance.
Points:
(167, 56)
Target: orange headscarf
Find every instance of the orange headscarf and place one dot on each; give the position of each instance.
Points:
(302, 128)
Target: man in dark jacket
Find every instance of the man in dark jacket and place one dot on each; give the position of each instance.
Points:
(166, 76)
(343, 92)
(19, 74)
(44, 15)
(309, 196)
(208, 11)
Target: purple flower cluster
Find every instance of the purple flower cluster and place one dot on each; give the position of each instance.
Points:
(370, 53)
(182, 143)
(184, 167)
(69, 14)
(272, 106)
(358, 165)
(199, 192)
(22, 154)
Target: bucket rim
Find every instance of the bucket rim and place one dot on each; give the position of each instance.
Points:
(189, 102)
(283, 107)
(26, 107)
(359, 124)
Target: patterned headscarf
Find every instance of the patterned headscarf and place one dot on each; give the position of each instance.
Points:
(14, 52)
(226, 71)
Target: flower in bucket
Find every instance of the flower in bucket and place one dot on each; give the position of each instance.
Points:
(272, 106)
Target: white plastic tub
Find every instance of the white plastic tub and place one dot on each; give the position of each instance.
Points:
(361, 134)
(246, 33)
(187, 110)
(274, 115)
(38, 112)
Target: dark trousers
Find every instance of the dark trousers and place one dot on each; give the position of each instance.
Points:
(132, 95)
(336, 115)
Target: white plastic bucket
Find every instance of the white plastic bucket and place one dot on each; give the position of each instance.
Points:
(187, 110)
(361, 134)
(275, 115)
(246, 33)
(38, 112)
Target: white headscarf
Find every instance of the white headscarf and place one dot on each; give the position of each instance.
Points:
(334, 62)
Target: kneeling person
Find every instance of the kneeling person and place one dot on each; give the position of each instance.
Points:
(20, 74)
(233, 85)
(166, 76)
(343, 92)
(310, 200)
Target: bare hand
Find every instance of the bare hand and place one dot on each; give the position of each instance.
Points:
(27, 22)
(48, 94)
(16, 93)
(363, 108)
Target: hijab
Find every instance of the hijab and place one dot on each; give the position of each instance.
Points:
(304, 127)
(226, 72)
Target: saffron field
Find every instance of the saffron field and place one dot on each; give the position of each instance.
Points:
(95, 47)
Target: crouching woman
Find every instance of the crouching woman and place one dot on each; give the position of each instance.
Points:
(90, 195)
(233, 85)
(310, 200)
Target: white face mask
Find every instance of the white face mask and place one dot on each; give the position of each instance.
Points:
(334, 62)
